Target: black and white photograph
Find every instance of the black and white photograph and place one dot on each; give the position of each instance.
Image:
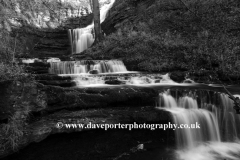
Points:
(119, 79)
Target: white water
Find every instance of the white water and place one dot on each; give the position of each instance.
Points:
(212, 151)
(216, 126)
(84, 67)
(83, 38)
(96, 72)
(29, 60)
(138, 80)
(188, 80)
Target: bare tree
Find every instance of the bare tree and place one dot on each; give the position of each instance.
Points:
(97, 24)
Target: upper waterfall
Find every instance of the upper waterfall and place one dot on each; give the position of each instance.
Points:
(83, 38)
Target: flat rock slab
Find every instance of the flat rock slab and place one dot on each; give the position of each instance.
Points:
(46, 98)
(39, 97)
(41, 128)
(80, 98)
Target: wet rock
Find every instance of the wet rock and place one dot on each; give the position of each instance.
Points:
(51, 77)
(114, 82)
(37, 67)
(95, 71)
(48, 125)
(61, 83)
(18, 95)
(80, 98)
(178, 76)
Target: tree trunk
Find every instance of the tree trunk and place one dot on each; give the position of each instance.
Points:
(97, 24)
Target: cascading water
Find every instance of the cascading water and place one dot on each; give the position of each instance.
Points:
(83, 67)
(83, 38)
(87, 72)
(217, 120)
(150, 79)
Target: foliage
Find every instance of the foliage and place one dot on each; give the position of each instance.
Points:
(9, 48)
(13, 72)
(11, 134)
(178, 35)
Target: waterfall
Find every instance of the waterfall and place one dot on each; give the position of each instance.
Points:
(185, 110)
(83, 38)
(85, 66)
(218, 125)
(228, 120)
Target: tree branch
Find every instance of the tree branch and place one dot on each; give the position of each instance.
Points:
(236, 100)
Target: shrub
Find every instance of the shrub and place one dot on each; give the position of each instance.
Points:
(192, 36)
(13, 72)
(11, 134)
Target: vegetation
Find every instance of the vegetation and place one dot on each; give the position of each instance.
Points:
(194, 36)
(9, 48)
(21, 17)
(11, 134)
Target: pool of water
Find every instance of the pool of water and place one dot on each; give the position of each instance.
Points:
(123, 145)
(102, 145)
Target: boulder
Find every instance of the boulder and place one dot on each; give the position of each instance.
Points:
(178, 76)
(95, 71)
(114, 82)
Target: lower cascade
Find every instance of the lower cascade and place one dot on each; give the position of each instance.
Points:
(216, 137)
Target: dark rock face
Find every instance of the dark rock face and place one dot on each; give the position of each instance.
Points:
(39, 130)
(124, 12)
(17, 95)
(81, 22)
(114, 82)
(120, 12)
(178, 76)
(80, 98)
(95, 71)
(39, 97)
(62, 83)
(47, 125)
(103, 105)
(55, 80)
(53, 44)
(36, 67)
(49, 77)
